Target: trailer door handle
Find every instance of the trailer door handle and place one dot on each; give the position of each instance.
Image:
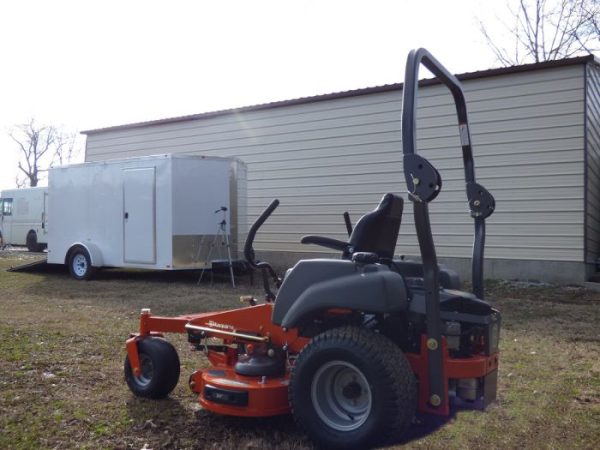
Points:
(127, 215)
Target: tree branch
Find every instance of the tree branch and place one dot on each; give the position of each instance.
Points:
(547, 30)
(38, 146)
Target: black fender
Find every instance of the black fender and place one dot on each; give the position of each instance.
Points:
(372, 290)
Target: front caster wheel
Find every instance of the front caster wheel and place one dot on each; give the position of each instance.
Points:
(352, 388)
(159, 365)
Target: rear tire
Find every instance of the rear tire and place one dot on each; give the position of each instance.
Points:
(160, 369)
(31, 242)
(352, 388)
(80, 264)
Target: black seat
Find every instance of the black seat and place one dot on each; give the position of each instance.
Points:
(375, 232)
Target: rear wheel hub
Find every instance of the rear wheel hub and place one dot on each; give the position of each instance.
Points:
(341, 395)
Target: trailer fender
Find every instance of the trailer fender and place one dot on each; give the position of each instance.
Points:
(93, 251)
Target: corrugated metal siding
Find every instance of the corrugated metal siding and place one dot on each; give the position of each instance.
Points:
(341, 154)
(593, 163)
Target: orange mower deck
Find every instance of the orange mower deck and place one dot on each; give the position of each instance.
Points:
(267, 396)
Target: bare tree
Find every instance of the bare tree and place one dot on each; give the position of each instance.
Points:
(545, 30)
(40, 146)
(66, 150)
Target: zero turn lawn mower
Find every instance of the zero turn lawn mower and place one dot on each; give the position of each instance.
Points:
(352, 347)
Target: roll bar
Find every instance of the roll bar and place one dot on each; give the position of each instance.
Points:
(422, 179)
(424, 184)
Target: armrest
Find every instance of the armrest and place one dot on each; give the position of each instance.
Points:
(325, 242)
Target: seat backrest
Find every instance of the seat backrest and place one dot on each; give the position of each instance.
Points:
(377, 231)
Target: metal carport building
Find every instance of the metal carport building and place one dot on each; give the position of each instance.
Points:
(536, 142)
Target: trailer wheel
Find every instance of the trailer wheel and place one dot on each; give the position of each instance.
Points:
(80, 264)
(160, 369)
(352, 388)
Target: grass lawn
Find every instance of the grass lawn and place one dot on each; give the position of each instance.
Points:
(62, 351)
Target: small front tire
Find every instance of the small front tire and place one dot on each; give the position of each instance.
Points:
(160, 367)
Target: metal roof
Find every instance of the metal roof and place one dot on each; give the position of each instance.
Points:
(351, 93)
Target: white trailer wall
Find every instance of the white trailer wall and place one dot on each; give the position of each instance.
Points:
(323, 156)
(86, 204)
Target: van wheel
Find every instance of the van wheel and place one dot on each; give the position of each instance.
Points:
(80, 264)
(31, 241)
(160, 367)
(352, 388)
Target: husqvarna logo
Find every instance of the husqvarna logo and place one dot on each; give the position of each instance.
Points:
(222, 326)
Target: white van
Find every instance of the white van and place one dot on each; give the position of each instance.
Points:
(23, 218)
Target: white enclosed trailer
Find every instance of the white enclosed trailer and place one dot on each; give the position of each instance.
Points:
(23, 215)
(155, 212)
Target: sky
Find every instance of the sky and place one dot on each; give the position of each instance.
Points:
(82, 65)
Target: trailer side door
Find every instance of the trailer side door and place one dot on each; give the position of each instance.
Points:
(139, 215)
